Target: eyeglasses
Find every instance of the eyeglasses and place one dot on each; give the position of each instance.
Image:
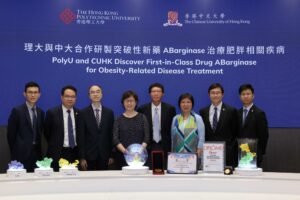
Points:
(32, 92)
(95, 92)
(69, 97)
(129, 101)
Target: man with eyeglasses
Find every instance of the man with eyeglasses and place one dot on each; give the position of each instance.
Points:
(62, 128)
(24, 129)
(95, 143)
(221, 122)
(159, 115)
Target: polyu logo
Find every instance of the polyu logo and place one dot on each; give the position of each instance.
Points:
(67, 16)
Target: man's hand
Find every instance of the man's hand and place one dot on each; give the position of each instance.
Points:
(83, 164)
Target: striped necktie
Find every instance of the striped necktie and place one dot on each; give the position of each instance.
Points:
(215, 119)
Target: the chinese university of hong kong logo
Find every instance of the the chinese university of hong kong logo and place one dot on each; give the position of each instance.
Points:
(67, 16)
(172, 19)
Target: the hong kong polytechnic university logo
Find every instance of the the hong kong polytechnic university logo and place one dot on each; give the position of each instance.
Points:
(67, 16)
(173, 19)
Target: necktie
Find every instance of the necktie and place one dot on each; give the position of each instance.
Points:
(156, 128)
(97, 117)
(245, 115)
(70, 130)
(34, 124)
(215, 119)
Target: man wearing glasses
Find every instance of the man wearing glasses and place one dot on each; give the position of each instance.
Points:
(62, 128)
(221, 122)
(24, 129)
(159, 115)
(95, 146)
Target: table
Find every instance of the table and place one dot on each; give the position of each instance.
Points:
(114, 185)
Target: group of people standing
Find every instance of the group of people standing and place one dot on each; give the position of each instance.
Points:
(94, 137)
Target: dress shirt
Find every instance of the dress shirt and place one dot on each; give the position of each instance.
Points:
(100, 111)
(212, 112)
(65, 117)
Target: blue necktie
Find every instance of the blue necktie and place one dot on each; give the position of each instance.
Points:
(34, 125)
(215, 119)
(70, 130)
(156, 128)
(245, 115)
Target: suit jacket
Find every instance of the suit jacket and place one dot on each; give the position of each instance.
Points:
(95, 142)
(20, 132)
(226, 131)
(54, 131)
(255, 126)
(167, 113)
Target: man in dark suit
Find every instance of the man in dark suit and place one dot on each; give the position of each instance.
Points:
(252, 121)
(159, 116)
(95, 143)
(62, 128)
(24, 130)
(221, 122)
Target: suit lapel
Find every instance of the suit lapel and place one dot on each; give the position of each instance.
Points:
(39, 121)
(222, 117)
(102, 117)
(206, 118)
(249, 115)
(163, 115)
(240, 117)
(76, 117)
(26, 111)
(149, 111)
(61, 121)
(92, 117)
(76, 124)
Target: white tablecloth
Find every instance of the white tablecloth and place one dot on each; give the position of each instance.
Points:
(114, 185)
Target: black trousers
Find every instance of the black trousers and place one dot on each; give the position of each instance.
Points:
(156, 147)
(98, 164)
(120, 160)
(69, 154)
(35, 155)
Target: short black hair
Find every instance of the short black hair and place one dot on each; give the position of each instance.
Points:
(31, 84)
(186, 96)
(128, 94)
(246, 86)
(156, 85)
(95, 85)
(70, 87)
(216, 85)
